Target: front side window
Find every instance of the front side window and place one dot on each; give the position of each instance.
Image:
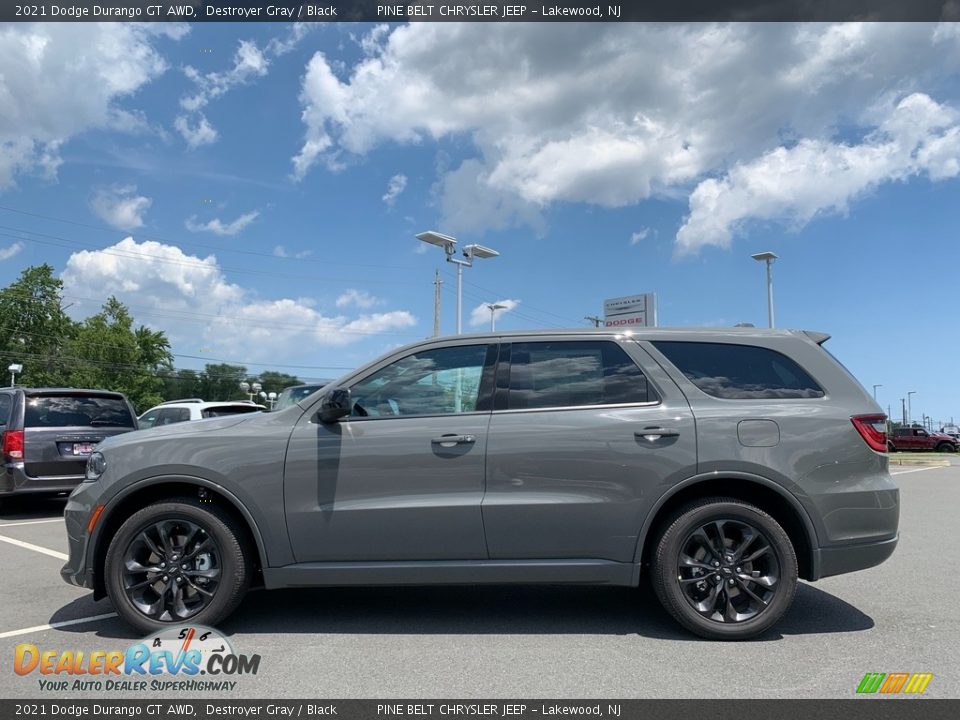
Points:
(574, 373)
(740, 372)
(432, 382)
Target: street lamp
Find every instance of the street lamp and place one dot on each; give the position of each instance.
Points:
(251, 389)
(875, 392)
(13, 370)
(909, 406)
(768, 258)
(493, 314)
(271, 398)
(449, 245)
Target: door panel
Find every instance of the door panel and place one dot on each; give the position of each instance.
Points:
(578, 482)
(403, 478)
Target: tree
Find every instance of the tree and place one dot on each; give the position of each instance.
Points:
(273, 381)
(221, 381)
(34, 327)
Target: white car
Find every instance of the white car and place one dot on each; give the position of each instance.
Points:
(175, 411)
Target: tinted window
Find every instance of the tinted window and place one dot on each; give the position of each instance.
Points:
(229, 410)
(434, 382)
(565, 374)
(6, 402)
(76, 411)
(740, 372)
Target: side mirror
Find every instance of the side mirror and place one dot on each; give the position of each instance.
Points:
(336, 404)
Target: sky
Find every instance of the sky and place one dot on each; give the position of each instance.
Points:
(254, 190)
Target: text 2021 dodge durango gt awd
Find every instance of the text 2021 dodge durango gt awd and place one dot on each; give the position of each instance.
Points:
(725, 464)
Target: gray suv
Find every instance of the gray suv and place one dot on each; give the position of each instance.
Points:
(724, 464)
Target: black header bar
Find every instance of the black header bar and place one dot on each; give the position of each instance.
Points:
(558, 11)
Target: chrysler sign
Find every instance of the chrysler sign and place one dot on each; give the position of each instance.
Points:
(630, 311)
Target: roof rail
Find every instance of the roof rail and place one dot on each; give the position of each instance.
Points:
(185, 400)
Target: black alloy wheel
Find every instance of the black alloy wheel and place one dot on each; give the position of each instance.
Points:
(171, 570)
(724, 569)
(177, 561)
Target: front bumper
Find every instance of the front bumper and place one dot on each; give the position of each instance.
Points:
(78, 569)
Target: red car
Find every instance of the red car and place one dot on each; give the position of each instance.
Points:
(916, 438)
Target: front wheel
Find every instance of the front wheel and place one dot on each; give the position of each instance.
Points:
(946, 447)
(177, 562)
(724, 569)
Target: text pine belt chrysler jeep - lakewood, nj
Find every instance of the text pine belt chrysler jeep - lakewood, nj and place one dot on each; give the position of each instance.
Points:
(722, 463)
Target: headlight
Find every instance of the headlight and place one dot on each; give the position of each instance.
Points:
(96, 464)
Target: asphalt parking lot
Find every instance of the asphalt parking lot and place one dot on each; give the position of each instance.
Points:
(574, 642)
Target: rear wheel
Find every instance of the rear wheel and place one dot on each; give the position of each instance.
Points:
(724, 569)
(176, 561)
(890, 447)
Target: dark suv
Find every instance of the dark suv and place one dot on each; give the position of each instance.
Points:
(724, 464)
(47, 434)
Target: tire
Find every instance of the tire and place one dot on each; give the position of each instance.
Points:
(946, 447)
(771, 577)
(216, 558)
(891, 448)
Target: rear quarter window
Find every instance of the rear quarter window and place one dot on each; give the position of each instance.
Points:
(76, 411)
(740, 372)
(6, 404)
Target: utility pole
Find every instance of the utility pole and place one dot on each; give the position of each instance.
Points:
(437, 282)
(596, 320)
(903, 402)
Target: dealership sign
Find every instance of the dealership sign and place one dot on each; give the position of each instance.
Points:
(630, 311)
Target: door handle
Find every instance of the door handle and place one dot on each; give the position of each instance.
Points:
(653, 434)
(454, 440)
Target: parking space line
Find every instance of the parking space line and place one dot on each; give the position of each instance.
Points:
(36, 548)
(932, 467)
(54, 626)
(31, 522)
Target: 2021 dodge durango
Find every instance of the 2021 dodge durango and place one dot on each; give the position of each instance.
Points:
(724, 464)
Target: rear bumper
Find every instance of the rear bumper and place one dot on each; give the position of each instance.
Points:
(850, 558)
(14, 481)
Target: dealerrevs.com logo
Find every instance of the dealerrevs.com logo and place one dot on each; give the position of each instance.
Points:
(894, 683)
(173, 659)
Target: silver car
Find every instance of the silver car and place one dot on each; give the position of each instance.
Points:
(723, 464)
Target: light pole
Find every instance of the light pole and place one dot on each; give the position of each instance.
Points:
(13, 370)
(910, 406)
(449, 245)
(251, 389)
(903, 403)
(768, 258)
(493, 314)
(271, 398)
(875, 392)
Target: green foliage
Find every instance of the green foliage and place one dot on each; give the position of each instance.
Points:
(105, 351)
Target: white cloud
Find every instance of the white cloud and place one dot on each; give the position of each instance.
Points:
(607, 114)
(639, 236)
(62, 79)
(397, 185)
(795, 184)
(200, 132)
(281, 252)
(10, 250)
(357, 298)
(480, 315)
(120, 207)
(248, 63)
(218, 227)
(190, 298)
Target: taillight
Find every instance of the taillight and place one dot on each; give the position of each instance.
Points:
(873, 429)
(13, 444)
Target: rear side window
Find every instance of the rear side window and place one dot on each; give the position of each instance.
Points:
(740, 372)
(76, 411)
(229, 410)
(6, 403)
(573, 373)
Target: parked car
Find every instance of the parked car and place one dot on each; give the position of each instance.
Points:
(917, 438)
(177, 411)
(47, 434)
(724, 464)
(951, 430)
(295, 393)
